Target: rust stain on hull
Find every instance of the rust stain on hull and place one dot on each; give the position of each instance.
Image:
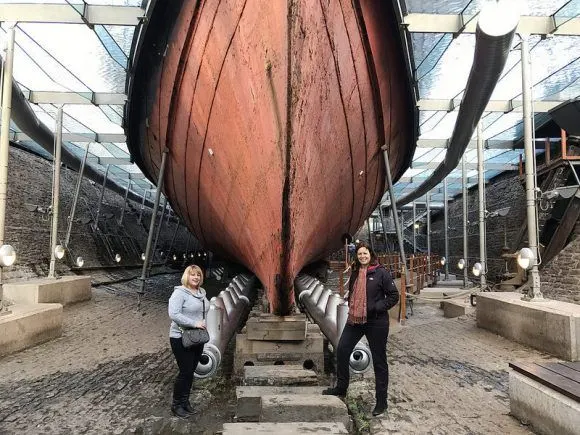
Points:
(274, 113)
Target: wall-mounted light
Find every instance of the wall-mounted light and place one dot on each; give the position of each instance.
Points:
(174, 257)
(118, 258)
(443, 260)
(80, 261)
(143, 256)
(7, 255)
(477, 269)
(526, 258)
(416, 225)
(461, 264)
(59, 251)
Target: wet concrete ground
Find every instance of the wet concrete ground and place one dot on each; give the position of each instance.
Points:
(112, 372)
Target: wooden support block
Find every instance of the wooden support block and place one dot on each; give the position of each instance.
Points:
(276, 328)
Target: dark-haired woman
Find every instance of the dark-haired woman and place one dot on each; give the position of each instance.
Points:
(372, 292)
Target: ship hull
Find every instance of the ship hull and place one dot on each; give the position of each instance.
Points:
(273, 114)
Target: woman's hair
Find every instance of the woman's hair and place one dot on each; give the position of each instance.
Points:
(188, 271)
(374, 260)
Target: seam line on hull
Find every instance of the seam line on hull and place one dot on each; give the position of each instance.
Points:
(361, 109)
(211, 111)
(337, 72)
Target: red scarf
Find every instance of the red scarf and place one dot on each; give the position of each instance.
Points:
(357, 305)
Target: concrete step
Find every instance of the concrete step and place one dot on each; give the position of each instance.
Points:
(28, 325)
(280, 375)
(249, 399)
(287, 408)
(457, 307)
(449, 283)
(284, 428)
(440, 292)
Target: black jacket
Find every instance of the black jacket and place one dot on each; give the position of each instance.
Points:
(382, 294)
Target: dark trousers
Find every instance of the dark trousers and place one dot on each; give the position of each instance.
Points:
(377, 331)
(187, 360)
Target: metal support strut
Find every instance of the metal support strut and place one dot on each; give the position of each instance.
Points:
(481, 192)
(151, 228)
(55, 192)
(397, 229)
(73, 209)
(465, 214)
(534, 293)
(96, 224)
(446, 224)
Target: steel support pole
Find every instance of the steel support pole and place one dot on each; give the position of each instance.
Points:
(151, 227)
(428, 205)
(5, 139)
(534, 292)
(96, 224)
(394, 211)
(142, 206)
(55, 191)
(381, 217)
(173, 240)
(371, 242)
(124, 203)
(414, 229)
(73, 209)
(481, 192)
(163, 209)
(465, 215)
(446, 223)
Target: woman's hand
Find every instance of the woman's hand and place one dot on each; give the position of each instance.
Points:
(200, 324)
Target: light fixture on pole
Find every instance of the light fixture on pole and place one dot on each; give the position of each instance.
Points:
(443, 261)
(7, 255)
(143, 256)
(59, 252)
(461, 264)
(174, 257)
(526, 258)
(477, 269)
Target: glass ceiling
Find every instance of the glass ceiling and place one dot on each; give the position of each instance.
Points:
(75, 58)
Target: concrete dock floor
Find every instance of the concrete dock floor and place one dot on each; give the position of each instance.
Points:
(112, 372)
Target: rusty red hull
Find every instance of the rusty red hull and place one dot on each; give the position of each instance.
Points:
(274, 112)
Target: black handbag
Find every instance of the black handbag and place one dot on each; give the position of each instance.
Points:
(195, 336)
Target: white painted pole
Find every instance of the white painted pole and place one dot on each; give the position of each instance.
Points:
(534, 292)
(55, 192)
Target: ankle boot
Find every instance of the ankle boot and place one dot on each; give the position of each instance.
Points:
(186, 405)
(178, 410)
(380, 408)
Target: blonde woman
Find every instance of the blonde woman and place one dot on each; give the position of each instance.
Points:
(188, 307)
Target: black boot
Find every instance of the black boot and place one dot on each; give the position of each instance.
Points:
(380, 408)
(334, 392)
(178, 410)
(186, 405)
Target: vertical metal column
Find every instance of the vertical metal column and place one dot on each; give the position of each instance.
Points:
(446, 223)
(414, 229)
(381, 217)
(5, 139)
(124, 203)
(173, 240)
(151, 227)
(55, 191)
(96, 225)
(145, 192)
(73, 209)
(371, 242)
(534, 292)
(465, 215)
(163, 209)
(481, 192)
(394, 210)
(428, 205)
